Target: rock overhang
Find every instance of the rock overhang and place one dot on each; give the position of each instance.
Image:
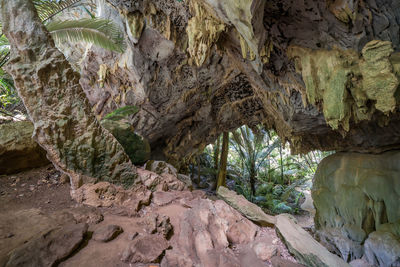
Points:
(324, 76)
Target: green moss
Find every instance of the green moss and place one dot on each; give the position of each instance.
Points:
(135, 146)
(122, 113)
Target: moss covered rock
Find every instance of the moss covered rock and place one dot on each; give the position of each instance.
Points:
(137, 148)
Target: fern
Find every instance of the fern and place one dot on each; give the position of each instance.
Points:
(47, 9)
(100, 32)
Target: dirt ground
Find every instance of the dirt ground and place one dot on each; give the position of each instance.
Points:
(39, 188)
(35, 201)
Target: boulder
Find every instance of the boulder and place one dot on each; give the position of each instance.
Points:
(248, 209)
(154, 223)
(50, 247)
(264, 251)
(186, 180)
(28, 223)
(18, 151)
(164, 181)
(160, 167)
(355, 195)
(102, 194)
(207, 232)
(303, 246)
(107, 233)
(382, 249)
(162, 198)
(145, 249)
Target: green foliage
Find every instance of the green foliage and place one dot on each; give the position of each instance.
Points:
(259, 155)
(121, 113)
(47, 9)
(8, 94)
(101, 32)
(264, 189)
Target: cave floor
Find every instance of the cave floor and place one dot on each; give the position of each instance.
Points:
(35, 201)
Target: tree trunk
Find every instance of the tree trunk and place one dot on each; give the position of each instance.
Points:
(216, 162)
(224, 160)
(216, 154)
(281, 161)
(253, 179)
(64, 125)
(198, 170)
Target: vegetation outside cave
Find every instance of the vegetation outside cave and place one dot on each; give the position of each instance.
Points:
(259, 167)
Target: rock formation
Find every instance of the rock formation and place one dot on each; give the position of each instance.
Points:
(324, 74)
(63, 123)
(356, 197)
(18, 151)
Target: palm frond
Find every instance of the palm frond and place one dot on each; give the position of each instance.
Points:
(3, 41)
(49, 8)
(101, 32)
(4, 56)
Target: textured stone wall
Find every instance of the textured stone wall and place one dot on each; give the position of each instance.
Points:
(200, 67)
(356, 197)
(63, 123)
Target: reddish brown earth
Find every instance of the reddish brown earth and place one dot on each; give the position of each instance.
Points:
(178, 228)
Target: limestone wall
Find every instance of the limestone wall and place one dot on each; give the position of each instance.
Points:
(356, 197)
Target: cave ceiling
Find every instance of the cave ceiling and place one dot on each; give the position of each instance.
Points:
(323, 74)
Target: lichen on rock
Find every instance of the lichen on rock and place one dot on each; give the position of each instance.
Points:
(344, 10)
(135, 24)
(348, 87)
(203, 32)
(379, 80)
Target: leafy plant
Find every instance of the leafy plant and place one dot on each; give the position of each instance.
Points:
(101, 32)
(47, 9)
(121, 113)
(8, 94)
(253, 150)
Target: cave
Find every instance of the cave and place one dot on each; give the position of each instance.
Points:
(115, 127)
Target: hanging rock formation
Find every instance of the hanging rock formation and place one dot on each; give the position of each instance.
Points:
(356, 197)
(324, 74)
(63, 123)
